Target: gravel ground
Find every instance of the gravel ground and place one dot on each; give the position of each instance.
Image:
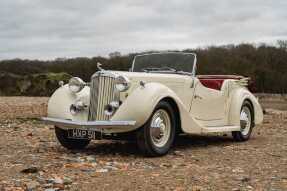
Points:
(32, 159)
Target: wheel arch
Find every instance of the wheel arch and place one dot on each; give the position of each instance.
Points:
(252, 109)
(175, 107)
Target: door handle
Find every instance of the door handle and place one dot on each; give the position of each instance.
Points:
(192, 84)
(197, 96)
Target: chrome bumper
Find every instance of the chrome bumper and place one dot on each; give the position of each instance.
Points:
(87, 125)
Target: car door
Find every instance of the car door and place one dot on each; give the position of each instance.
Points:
(208, 105)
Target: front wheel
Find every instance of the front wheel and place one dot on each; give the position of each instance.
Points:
(246, 123)
(156, 137)
(69, 143)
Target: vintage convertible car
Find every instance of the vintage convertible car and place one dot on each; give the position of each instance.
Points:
(159, 98)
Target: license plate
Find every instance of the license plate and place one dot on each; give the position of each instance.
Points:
(82, 134)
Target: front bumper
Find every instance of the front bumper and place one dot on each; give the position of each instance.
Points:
(88, 125)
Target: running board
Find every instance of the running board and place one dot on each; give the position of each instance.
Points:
(218, 129)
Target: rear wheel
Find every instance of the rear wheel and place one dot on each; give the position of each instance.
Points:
(156, 137)
(246, 123)
(69, 143)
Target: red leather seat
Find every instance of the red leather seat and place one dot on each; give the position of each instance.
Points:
(216, 81)
(212, 83)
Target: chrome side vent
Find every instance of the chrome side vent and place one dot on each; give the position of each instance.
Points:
(102, 93)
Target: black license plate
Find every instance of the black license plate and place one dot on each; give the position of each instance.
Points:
(82, 134)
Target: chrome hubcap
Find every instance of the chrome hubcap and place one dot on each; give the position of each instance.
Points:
(160, 128)
(245, 120)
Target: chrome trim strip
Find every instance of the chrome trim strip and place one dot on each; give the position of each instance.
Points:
(88, 125)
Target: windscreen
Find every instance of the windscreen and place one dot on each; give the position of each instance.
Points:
(164, 61)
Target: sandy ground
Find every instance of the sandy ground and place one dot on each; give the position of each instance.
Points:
(32, 159)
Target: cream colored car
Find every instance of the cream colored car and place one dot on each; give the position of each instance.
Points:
(159, 98)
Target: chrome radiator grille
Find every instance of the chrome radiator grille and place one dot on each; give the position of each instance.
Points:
(102, 93)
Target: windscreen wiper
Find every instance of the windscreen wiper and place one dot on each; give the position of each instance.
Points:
(149, 69)
(165, 68)
(168, 68)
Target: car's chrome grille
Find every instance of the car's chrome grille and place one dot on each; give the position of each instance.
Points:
(102, 93)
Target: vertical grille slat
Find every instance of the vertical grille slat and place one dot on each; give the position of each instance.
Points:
(108, 93)
(102, 93)
(101, 88)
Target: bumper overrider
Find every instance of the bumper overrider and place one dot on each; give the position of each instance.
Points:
(87, 125)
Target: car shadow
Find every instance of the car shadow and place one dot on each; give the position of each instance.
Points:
(198, 141)
(125, 148)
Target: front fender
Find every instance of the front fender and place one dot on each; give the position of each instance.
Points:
(238, 96)
(61, 100)
(140, 104)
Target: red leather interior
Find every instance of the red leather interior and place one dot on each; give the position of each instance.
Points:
(215, 81)
(212, 83)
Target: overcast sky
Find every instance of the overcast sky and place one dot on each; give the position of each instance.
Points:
(47, 29)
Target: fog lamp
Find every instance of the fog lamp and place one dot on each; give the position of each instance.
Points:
(77, 107)
(111, 108)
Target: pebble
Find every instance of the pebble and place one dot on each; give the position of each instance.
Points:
(167, 165)
(147, 167)
(51, 189)
(58, 181)
(67, 180)
(102, 170)
(273, 177)
(30, 186)
(79, 159)
(47, 185)
(91, 159)
(238, 170)
(108, 167)
(249, 187)
(178, 153)
(32, 169)
(55, 181)
(244, 179)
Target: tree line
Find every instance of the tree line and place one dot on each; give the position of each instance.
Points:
(265, 64)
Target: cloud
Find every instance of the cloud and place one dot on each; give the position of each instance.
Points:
(48, 29)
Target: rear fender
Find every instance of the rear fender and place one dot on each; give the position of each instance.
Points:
(238, 96)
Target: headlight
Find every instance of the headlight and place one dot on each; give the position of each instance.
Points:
(76, 84)
(122, 83)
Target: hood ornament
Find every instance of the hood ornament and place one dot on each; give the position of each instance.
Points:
(99, 66)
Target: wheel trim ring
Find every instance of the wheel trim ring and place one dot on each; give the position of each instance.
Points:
(160, 122)
(245, 120)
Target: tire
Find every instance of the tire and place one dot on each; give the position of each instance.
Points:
(246, 123)
(69, 143)
(156, 137)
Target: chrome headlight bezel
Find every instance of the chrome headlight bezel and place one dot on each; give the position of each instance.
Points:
(122, 83)
(76, 84)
